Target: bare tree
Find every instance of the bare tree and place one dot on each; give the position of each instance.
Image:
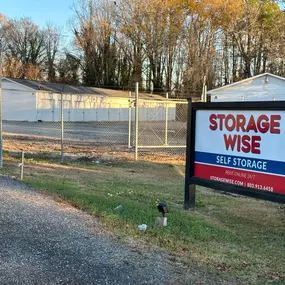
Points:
(52, 38)
(165, 45)
(25, 44)
(94, 36)
(129, 36)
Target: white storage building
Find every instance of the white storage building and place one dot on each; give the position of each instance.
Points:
(27, 100)
(263, 87)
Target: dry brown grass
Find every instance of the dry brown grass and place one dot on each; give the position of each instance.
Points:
(79, 148)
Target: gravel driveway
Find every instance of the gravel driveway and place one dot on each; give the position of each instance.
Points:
(44, 241)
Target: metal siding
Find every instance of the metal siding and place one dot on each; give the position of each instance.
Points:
(252, 90)
(26, 105)
(18, 105)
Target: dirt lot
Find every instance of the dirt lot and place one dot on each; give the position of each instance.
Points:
(96, 132)
(150, 133)
(96, 139)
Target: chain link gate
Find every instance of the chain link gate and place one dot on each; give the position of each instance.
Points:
(158, 128)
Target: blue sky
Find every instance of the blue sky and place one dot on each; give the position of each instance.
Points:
(58, 12)
(40, 11)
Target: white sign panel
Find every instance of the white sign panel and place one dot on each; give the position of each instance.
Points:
(244, 148)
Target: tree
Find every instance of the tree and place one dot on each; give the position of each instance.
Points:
(129, 35)
(254, 37)
(52, 38)
(173, 46)
(204, 27)
(68, 69)
(24, 48)
(93, 35)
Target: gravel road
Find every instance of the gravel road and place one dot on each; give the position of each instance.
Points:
(44, 241)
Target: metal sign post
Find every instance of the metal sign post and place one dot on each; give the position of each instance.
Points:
(190, 189)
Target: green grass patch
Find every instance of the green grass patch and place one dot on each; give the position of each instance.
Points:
(233, 236)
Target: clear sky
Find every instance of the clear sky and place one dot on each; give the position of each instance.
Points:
(40, 11)
(58, 12)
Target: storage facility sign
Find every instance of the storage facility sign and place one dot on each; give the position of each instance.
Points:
(244, 148)
(236, 147)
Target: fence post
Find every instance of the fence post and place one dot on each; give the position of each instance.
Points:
(62, 126)
(137, 121)
(22, 166)
(1, 97)
(130, 120)
(204, 91)
(166, 121)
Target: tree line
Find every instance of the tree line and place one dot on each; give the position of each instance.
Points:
(174, 46)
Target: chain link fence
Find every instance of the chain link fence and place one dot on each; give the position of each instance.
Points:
(93, 126)
(161, 130)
